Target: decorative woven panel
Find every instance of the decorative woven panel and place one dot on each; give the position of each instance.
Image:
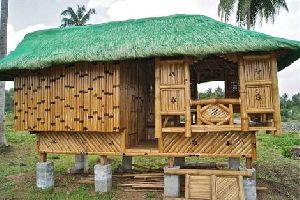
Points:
(217, 114)
(79, 97)
(227, 188)
(215, 143)
(74, 142)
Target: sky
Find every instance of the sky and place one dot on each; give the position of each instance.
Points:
(30, 15)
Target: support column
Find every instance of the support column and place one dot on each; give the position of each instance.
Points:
(44, 173)
(250, 186)
(81, 164)
(179, 161)
(127, 162)
(234, 163)
(103, 176)
(172, 184)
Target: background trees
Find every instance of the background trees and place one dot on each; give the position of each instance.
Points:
(248, 12)
(76, 18)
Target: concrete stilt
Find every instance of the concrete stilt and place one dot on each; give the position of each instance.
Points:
(81, 164)
(103, 178)
(45, 175)
(172, 185)
(250, 186)
(179, 161)
(127, 162)
(234, 163)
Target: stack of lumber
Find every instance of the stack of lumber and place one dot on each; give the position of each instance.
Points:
(141, 181)
(138, 182)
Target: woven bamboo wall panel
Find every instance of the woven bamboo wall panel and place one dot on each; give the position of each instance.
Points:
(216, 143)
(172, 73)
(259, 97)
(78, 142)
(80, 97)
(257, 69)
(227, 188)
(172, 100)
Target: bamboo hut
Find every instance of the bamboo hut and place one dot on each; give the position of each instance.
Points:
(130, 88)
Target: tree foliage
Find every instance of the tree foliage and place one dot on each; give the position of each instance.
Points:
(248, 12)
(209, 93)
(9, 96)
(76, 18)
(290, 107)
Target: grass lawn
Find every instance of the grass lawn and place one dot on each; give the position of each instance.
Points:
(17, 171)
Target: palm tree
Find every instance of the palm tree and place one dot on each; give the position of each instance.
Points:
(78, 18)
(3, 52)
(249, 11)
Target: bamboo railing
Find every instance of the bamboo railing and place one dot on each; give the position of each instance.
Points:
(215, 112)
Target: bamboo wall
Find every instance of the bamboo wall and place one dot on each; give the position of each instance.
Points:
(79, 97)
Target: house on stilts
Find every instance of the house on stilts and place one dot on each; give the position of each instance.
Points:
(129, 88)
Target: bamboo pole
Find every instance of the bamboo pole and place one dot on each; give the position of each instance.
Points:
(243, 97)
(188, 132)
(275, 96)
(158, 133)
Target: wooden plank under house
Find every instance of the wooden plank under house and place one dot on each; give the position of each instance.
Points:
(95, 93)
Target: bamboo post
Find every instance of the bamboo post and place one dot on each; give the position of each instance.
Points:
(43, 157)
(123, 140)
(275, 96)
(103, 160)
(158, 133)
(213, 187)
(188, 122)
(244, 115)
(249, 163)
(241, 188)
(170, 162)
(187, 187)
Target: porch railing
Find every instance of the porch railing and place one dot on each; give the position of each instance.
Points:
(214, 112)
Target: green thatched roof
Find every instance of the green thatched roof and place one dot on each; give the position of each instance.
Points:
(162, 36)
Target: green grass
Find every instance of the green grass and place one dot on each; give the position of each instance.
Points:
(17, 170)
(277, 169)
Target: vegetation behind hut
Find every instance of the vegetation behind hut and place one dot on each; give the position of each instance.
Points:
(80, 17)
(250, 11)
